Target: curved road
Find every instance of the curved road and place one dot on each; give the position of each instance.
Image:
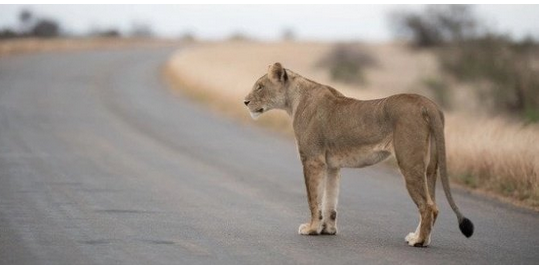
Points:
(101, 164)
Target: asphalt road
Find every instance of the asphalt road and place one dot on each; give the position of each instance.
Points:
(101, 164)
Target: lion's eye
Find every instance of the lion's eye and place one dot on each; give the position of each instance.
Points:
(259, 87)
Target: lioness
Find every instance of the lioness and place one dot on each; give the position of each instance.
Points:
(334, 131)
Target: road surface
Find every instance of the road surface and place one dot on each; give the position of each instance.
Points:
(101, 164)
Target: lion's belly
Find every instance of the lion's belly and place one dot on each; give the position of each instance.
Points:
(357, 158)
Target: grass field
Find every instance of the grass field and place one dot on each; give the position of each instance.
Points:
(492, 155)
(26, 45)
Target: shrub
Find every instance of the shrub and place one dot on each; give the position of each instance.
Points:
(440, 91)
(436, 25)
(346, 63)
(503, 71)
(8, 34)
(46, 28)
(512, 70)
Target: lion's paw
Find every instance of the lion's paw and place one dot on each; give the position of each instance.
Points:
(410, 237)
(329, 230)
(413, 240)
(306, 229)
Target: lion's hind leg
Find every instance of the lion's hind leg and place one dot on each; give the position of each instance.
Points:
(411, 151)
(421, 237)
(432, 176)
(330, 201)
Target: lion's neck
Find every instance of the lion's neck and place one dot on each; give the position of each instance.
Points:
(297, 92)
(292, 99)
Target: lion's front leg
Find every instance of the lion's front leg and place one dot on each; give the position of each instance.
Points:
(314, 176)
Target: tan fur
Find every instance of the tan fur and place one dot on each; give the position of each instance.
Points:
(334, 131)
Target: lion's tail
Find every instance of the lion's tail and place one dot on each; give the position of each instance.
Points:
(436, 122)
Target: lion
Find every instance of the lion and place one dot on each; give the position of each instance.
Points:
(333, 131)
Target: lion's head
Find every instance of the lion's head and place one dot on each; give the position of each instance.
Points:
(268, 92)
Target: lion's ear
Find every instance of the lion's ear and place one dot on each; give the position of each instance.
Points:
(277, 73)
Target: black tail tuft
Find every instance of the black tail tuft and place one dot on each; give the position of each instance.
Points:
(466, 227)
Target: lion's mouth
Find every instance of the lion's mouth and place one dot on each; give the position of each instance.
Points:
(255, 114)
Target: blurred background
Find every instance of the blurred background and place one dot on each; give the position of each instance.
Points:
(480, 63)
(271, 23)
(496, 43)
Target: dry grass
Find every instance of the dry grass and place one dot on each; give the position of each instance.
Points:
(492, 155)
(495, 155)
(26, 45)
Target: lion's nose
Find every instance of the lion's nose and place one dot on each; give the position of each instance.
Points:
(246, 102)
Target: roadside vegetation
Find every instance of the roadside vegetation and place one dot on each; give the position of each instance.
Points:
(35, 33)
(502, 71)
(348, 63)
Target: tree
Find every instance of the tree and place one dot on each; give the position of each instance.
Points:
(436, 25)
(25, 19)
(7, 33)
(46, 28)
(141, 30)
